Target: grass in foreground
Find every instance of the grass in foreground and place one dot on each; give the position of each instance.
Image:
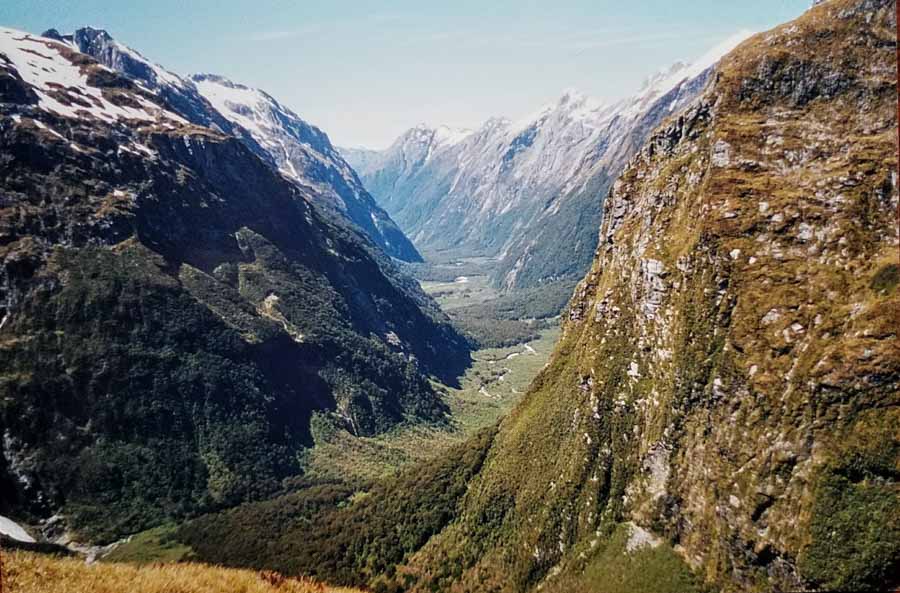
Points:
(26, 572)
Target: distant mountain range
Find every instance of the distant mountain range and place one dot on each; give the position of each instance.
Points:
(530, 192)
(298, 150)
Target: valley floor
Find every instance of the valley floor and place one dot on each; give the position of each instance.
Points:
(489, 389)
(26, 572)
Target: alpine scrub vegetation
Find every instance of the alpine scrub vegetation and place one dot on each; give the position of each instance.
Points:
(326, 531)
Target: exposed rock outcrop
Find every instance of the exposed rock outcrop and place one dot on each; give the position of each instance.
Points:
(729, 376)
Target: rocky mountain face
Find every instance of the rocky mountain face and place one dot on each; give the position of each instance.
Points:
(298, 150)
(173, 313)
(528, 193)
(728, 381)
(386, 170)
(722, 411)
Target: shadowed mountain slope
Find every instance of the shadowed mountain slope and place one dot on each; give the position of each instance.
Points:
(173, 312)
(300, 151)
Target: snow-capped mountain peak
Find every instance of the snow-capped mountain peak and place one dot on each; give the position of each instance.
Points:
(447, 136)
(573, 99)
(579, 106)
(421, 143)
(571, 95)
(100, 44)
(657, 78)
(438, 135)
(573, 106)
(300, 151)
(666, 80)
(66, 86)
(512, 190)
(533, 119)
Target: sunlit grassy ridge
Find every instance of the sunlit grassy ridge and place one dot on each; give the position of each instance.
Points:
(730, 360)
(25, 572)
(153, 545)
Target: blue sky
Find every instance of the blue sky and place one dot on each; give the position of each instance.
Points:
(366, 71)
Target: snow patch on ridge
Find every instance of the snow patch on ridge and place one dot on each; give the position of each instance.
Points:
(273, 126)
(240, 104)
(41, 64)
(447, 136)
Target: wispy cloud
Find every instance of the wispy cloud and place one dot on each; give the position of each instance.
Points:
(380, 21)
(263, 36)
(394, 28)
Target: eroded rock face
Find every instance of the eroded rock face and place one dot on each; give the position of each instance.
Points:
(729, 376)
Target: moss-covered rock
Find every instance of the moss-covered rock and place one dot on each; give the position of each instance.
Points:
(854, 527)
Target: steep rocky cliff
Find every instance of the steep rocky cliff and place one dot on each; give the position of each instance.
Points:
(727, 388)
(173, 312)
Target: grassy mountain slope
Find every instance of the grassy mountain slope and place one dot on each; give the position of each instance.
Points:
(728, 378)
(722, 408)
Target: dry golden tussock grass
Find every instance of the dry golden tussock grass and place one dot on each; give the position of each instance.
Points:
(26, 572)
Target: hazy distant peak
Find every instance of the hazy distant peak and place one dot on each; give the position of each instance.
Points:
(663, 73)
(447, 135)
